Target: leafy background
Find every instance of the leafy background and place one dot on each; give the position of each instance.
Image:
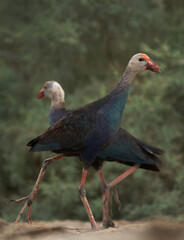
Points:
(85, 46)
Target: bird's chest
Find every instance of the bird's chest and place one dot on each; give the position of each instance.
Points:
(112, 117)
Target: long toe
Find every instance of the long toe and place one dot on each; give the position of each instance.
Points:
(20, 199)
(116, 197)
(108, 223)
(98, 228)
(28, 202)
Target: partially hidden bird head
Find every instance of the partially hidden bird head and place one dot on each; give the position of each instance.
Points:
(51, 89)
(141, 61)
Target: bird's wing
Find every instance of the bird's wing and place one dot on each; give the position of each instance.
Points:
(84, 133)
(67, 133)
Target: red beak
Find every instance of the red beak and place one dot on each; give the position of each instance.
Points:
(41, 94)
(152, 66)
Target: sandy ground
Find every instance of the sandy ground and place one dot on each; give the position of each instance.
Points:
(76, 230)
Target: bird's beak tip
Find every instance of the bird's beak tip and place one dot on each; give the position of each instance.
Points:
(40, 94)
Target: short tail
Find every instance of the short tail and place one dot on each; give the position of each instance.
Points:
(33, 142)
(151, 149)
(151, 153)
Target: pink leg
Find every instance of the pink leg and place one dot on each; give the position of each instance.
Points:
(21, 212)
(82, 193)
(29, 214)
(107, 221)
(30, 198)
(124, 175)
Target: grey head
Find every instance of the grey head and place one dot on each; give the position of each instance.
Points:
(141, 61)
(52, 89)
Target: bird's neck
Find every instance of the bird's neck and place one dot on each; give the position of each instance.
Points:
(125, 82)
(57, 101)
(57, 108)
(119, 97)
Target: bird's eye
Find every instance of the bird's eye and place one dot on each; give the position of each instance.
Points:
(141, 59)
(45, 87)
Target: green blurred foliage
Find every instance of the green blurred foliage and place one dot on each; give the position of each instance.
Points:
(85, 45)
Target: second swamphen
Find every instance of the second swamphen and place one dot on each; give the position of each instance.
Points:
(88, 130)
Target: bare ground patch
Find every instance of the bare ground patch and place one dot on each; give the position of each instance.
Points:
(77, 230)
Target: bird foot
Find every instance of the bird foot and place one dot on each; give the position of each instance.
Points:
(97, 228)
(19, 200)
(108, 223)
(28, 202)
(109, 192)
(116, 197)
